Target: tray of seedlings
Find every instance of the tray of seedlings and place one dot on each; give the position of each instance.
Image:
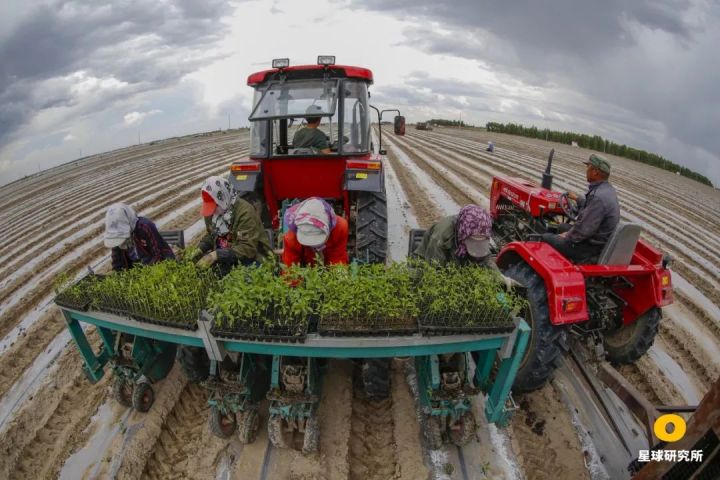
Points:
(78, 295)
(367, 300)
(465, 300)
(169, 293)
(255, 303)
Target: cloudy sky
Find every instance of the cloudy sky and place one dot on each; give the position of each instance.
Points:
(80, 77)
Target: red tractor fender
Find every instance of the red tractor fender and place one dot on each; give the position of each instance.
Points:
(564, 281)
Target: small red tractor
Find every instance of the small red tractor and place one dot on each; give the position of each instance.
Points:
(277, 173)
(615, 301)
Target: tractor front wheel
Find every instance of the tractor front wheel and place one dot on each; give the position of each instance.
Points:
(630, 342)
(543, 349)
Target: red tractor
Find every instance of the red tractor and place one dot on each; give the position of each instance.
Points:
(616, 300)
(350, 177)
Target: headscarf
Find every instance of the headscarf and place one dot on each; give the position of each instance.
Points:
(471, 220)
(224, 196)
(290, 220)
(120, 220)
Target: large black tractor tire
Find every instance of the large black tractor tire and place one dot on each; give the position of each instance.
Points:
(371, 232)
(630, 342)
(194, 363)
(376, 378)
(542, 350)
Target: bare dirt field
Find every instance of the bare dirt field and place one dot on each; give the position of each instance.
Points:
(54, 423)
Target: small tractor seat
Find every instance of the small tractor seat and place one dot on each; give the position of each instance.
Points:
(174, 237)
(302, 151)
(620, 247)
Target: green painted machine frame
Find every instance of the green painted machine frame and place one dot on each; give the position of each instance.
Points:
(506, 348)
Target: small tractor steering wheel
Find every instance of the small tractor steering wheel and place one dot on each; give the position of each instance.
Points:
(569, 207)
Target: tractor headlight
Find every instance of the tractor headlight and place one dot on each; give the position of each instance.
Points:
(326, 60)
(280, 63)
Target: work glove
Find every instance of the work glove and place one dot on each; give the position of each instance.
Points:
(207, 260)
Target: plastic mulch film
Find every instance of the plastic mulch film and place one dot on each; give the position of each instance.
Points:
(362, 325)
(471, 318)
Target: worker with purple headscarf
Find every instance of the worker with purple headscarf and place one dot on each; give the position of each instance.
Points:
(463, 238)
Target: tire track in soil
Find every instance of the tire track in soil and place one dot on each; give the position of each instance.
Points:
(373, 453)
(180, 442)
(544, 439)
(425, 212)
(53, 422)
(647, 378)
(691, 358)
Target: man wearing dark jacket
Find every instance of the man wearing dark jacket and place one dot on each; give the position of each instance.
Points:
(597, 220)
(133, 239)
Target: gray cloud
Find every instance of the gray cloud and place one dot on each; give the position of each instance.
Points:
(84, 54)
(643, 64)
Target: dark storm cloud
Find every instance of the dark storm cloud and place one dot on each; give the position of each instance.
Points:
(141, 45)
(650, 59)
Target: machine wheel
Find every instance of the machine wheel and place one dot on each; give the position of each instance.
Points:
(312, 436)
(376, 378)
(542, 350)
(630, 342)
(194, 363)
(277, 433)
(464, 431)
(122, 391)
(248, 426)
(221, 425)
(143, 397)
(433, 433)
(371, 230)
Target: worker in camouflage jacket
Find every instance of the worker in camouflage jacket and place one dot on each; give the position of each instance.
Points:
(132, 239)
(235, 233)
(463, 238)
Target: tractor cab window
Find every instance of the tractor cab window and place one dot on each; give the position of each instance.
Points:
(296, 99)
(282, 110)
(356, 120)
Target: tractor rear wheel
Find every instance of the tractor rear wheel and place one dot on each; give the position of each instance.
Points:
(371, 230)
(376, 378)
(543, 349)
(194, 363)
(630, 342)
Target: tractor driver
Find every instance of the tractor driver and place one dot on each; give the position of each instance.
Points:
(597, 219)
(314, 229)
(310, 136)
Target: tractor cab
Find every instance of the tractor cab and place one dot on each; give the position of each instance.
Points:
(338, 164)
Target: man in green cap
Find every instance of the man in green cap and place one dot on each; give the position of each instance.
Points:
(597, 219)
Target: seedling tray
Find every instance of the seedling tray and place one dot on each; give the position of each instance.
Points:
(192, 326)
(483, 322)
(242, 331)
(362, 327)
(83, 307)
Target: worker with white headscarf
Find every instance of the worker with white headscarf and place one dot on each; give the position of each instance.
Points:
(133, 239)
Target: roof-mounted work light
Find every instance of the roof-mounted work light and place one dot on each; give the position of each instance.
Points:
(326, 60)
(281, 63)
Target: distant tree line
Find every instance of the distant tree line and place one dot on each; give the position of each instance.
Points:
(598, 143)
(441, 122)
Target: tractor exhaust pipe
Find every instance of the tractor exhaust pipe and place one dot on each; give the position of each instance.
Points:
(547, 177)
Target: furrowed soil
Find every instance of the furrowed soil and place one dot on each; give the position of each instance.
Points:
(435, 173)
